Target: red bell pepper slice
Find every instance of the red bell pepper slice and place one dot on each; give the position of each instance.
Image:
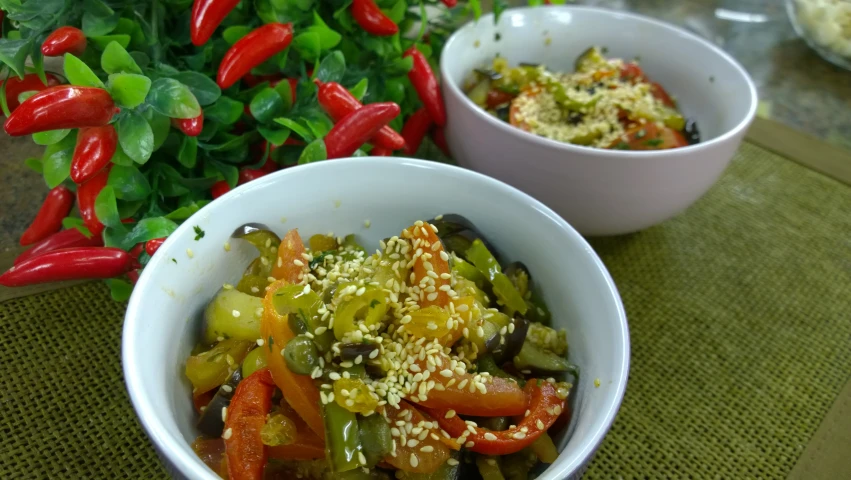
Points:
(246, 416)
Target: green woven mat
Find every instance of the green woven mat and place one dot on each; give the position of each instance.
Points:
(741, 340)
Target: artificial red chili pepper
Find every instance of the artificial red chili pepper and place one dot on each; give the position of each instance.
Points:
(380, 152)
(48, 220)
(87, 193)
(95, 148)
(252, 50)
(545, 406)
(338, 102)
(415, 129)
(134, 255)
(68, 264)
(62, 106)
(246, 416)
(151, 246)
(64, 40)
(372, 19)
(248, 174)
(450, 3)
(133, 275)
(206, 17)
(357, 127)
(191, 127)
(64, 239)
(15, 86)
(254, 80)
(439, 138)
(219, 188)
(293, 85)
(425, 83)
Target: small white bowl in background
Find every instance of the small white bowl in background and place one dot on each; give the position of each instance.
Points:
(163, 319)
(599, 192)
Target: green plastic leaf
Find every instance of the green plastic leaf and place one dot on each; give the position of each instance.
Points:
(328, 38)
(78, 73)
(296, 127)
(173, 99)
(121, 158)
(34, 164)
(500, 6)
(226, 110)
(14, 54)
(38, 62)
(286, 93)
(476, 7)
(319, 125)
(188, 153)
(129, 90)
(50, 137)
(148, 229)
(232, 143)
(359, 90)
(96, 25)
(128, 209)
(115, 59)
(185, 212)
(119, 290)
(397, 12)
(234, 33)
(275, 136)
(141, 58)
(56, 162)
(230, 172)
(307, 44)
(266, 105)
(160, 125)
(332, 68)
(400, 66)
(102, 41)
(129, 183)
(106, 207)
(313, 152)
(136, 137)
(203, 87)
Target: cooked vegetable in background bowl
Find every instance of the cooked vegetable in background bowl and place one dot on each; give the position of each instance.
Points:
(605, 103)
(405, 350)
(337, 332)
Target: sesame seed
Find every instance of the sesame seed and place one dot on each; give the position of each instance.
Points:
(361, 458)
(413, 443)
(414, 460)
(298, 263)
(449, 414)
(519, 435)
(540, 424)
(527, 413)
(306, 289)
(227, 246)
(224, 413)
(452, 462)
(470, 444)
(190, 253)
(227, 433)
(490, 436)
(260, 342)
(235, 313)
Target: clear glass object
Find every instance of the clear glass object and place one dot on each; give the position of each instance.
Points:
(825, 25)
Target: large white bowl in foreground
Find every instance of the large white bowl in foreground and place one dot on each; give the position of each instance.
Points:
(163, 318)
(599, 192)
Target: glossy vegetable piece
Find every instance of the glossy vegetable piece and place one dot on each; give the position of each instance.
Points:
(210, 369)
(375, 438)
(300, 392)
(537, 359)
(486, 363)
(252, 50)
(412, 458)
(68, 264)
(306, 446)
(649, 136)
(353, 395)
(369, 308)
(62, 106)
(425, 83)
(484, 261)
(70, 238)
(514, 339)
(289, 252)
(544, 448)
(48, 220)
(211, 423)
(356, 128)
(206, 16)
(303, 307)
(322, 243)
(278, 430)
(545, 405)
(94, 150)
(452, 225)
(415, 129)
(64, 40)
(489, 467)
(436, 260)
(342, 437)
(246, 417)
(233, 314)
(301, 355)
(367, 14)
(255, 360)
(30, 83)
(338, 102)
(265, 240)
(522, 280)
(190, 127)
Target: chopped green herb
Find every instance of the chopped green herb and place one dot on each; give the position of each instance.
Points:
(622, 146)
(712, 79)
(640, 134)
(199, 234)
(270, 342)
(317, 260)
(653, 142)
(373, 303)
(173, 260)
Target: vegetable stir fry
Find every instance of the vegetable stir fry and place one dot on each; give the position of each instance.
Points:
(607, 103)
(424, 360)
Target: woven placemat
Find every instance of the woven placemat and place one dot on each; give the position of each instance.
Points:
(741, 341)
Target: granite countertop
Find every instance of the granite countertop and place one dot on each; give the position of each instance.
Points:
(796, 86)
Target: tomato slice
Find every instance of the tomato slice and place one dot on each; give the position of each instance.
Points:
(496, 98)
(631, 72)
(409, 454)
(659, 92)
(649, 137)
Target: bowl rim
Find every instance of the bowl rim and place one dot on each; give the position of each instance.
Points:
(454, 41)
(169, 446)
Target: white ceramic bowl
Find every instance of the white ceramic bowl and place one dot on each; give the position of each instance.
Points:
(163, 318)
(599, 192)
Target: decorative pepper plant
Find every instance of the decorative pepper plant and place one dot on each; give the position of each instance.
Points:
(163, 105)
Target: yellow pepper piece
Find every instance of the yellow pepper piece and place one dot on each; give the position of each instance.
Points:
(353, 395)
(368, 308)
(429, 322)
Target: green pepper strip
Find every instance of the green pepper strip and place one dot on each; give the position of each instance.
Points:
(372, 306)
(267, 243)
(486, 363)
(375, 438)
(341, 437)
(469, 272)
(485, 262)
(294, 301)
(530, 356)
(489, 467)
